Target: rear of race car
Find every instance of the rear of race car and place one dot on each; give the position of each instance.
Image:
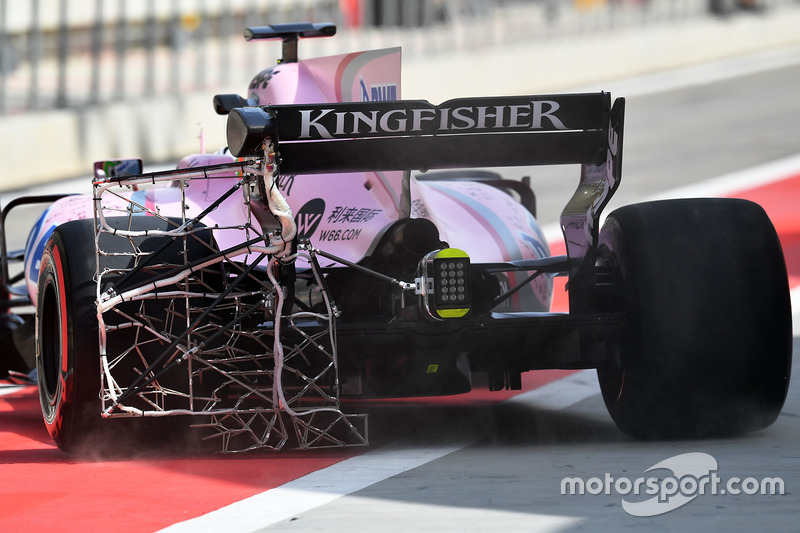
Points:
(344, 246)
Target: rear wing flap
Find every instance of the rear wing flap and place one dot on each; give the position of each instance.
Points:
(417, 135)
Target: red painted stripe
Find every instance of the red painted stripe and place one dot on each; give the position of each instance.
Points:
(337, 80)
(560, 296)
(42, 487)
(779, 200)
(63, 315)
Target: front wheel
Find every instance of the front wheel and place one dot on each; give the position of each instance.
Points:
(707, 344)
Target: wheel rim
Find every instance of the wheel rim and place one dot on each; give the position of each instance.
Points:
(49, 337)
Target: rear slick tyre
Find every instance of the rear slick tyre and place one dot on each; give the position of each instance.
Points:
(67, 346)
(67, 339)
(706, 348)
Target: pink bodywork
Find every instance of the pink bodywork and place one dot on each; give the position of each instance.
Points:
(343, 213)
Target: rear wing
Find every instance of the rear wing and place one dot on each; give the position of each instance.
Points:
(417, 135)
(409, 135)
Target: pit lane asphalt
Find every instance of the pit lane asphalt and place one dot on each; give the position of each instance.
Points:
(511, 480)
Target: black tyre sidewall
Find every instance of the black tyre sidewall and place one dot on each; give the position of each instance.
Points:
(67, 345)
(707, 344)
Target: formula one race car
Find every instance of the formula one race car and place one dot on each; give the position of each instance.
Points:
(331, 251)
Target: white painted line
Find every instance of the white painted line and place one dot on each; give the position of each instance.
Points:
(357, 473)
(562, 393)
(8, 389)
(725, 185)
(374, 514)
(314, 490)
(742, 180)
(702, 74)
